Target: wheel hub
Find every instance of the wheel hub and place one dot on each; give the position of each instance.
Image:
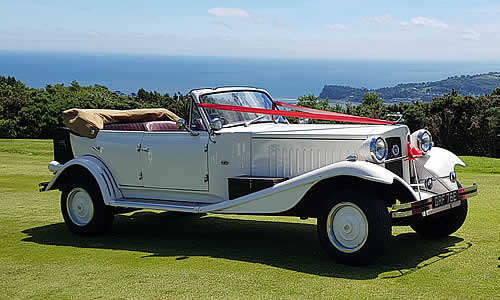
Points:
(79, 206)
(347, 227)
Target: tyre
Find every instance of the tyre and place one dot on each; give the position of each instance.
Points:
(442, 224)
(83, 208)
(354, 227)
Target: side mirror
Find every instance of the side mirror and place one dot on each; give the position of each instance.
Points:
(181, 124)
(216, 124)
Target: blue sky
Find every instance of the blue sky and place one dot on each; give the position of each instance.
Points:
(389, 30)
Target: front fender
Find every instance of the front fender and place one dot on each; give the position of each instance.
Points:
(440, 162)
(109, 188)
(286, 195)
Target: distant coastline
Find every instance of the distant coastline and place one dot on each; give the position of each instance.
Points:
(473, 85)
(285, 79)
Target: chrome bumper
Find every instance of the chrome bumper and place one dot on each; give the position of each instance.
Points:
(43, 185)
(424, 207)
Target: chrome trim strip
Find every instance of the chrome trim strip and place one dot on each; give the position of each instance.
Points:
(191, 207)
(410, 207)
(441, 208)
(469, 189)
(402, 205)
(402, 214)
(395, 159)
(471, 194)
(410, 204)
(182, 208)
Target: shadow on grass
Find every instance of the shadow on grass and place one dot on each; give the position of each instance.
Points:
(292, 246)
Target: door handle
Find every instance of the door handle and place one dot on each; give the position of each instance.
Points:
(97, 148)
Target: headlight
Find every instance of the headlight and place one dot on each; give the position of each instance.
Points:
(378, 149)
(422, 139)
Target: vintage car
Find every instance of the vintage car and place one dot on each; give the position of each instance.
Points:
(237, 154)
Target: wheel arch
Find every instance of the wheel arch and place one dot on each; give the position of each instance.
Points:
(88, 166)
(309, 204)
(295, 197)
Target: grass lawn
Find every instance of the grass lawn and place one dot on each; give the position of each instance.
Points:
(163, 255)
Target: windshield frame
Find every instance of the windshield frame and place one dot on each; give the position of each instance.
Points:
(225, 90)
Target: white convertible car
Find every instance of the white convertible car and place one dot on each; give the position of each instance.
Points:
(233, 156)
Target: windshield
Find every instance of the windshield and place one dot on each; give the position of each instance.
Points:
(244, 98)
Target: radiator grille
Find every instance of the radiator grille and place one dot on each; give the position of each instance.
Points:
(396, 166)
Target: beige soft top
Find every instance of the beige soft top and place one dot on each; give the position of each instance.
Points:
(88, 122)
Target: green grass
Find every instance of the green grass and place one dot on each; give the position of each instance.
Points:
(483, 165)
(164, 255)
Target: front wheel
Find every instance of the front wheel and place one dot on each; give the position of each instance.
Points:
(354, 227)
(83, 208)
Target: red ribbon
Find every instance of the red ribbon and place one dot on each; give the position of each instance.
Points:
(307, 113)
(413, 152)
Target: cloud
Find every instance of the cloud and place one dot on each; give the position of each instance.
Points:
(387, 19)
(335, 27)
(429, 22)
(228, 12)
(470, 35)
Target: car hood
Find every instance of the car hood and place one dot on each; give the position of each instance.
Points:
(313, 131)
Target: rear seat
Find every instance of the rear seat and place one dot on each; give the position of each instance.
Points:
(139, 126)
(143, 126)
(161, 126)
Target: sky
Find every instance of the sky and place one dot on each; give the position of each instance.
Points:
(353, 29)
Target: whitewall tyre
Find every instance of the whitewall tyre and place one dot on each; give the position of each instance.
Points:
(354, 228)
(83, 208)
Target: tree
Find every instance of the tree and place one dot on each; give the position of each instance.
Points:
(372, 99)
(467, 125)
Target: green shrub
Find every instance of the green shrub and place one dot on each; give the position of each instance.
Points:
(464, 124)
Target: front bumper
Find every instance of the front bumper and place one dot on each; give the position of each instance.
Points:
(427, 207)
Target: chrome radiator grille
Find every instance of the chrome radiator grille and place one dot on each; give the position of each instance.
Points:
(395, 151)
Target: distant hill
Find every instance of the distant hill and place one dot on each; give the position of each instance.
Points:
(466, 85)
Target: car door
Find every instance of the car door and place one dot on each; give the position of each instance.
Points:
(119, 152)
(175, 160)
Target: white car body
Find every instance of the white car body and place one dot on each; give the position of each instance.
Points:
(179, 171)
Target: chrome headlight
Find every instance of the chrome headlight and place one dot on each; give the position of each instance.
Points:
(422, 139)
(378, 149)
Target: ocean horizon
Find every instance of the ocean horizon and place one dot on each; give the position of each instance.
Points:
(285, 79)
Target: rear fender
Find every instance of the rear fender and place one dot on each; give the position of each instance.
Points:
(109, 188)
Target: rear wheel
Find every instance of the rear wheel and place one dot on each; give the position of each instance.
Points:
(83, 208)
(354, 227)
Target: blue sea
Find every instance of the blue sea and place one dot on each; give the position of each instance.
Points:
(285, 79)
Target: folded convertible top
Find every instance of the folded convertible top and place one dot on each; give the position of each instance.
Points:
(88, 122)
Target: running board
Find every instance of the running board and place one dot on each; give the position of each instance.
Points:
(191, 207)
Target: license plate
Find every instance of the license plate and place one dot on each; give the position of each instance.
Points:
(444, 199)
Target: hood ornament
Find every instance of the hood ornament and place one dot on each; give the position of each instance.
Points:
(398, 115)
